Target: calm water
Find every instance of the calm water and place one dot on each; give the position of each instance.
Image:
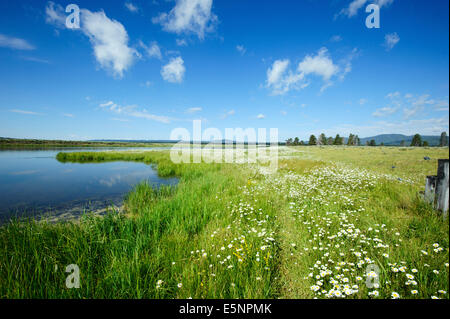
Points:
(35, 183)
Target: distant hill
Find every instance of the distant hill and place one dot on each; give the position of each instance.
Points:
(396, 139)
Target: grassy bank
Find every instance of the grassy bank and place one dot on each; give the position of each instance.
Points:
(317, 228)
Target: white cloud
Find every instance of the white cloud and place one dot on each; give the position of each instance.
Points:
(147, 84)
(173, 72)
(133, 111)
(229, 113)
(362, 101)
(24, 112)
(417, 105)
(281, 80)
(336, 38)
(321, 65)
(54, 14)
(181, 42)
(283, 113)
(390, 40)
(241, 49)
(131, 7)
(260, 116)
(34, 59)
(347, 63)
(15, 43)
(153, 51)
(194, 110)
(355, 5)
(442, 105)
(67, 115)
(109, 40)
(384, 111)
(108, 37)
(189, 16)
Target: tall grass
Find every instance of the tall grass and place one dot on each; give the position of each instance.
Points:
(226, 231)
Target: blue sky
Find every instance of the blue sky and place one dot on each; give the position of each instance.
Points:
(138, 69)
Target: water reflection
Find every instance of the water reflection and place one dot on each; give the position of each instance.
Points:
(33, 183)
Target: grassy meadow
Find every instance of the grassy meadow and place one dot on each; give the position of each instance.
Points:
(333, 222)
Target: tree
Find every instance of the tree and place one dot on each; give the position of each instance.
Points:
(425, 143)
(296, 141)
(330, 141)
(351, 138)
(357, 141)
(338, 140)
(322, 139)
(443, 140)
(312, 140)
(372, 143)
(289, 141)
(381, 144)
(417, 140)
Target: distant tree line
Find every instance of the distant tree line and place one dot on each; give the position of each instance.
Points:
(354, 140)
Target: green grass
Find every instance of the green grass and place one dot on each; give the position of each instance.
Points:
(227, 231)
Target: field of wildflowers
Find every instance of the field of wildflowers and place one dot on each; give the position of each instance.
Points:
(333, 222)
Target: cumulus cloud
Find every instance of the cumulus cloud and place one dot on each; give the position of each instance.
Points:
(109, 40)
(355, 5)
(189, 16)
(280, 79)
(390, 40)
(320, 64)
(260, 116)
(15, 43)
(153, 50)
(108, 37)
(173, 72)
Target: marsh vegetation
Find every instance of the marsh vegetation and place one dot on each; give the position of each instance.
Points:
(233, 231)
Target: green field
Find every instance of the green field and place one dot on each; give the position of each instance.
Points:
(333, 222)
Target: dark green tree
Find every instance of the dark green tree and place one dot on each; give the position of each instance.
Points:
(322, 139)
(338, 140)
(357, 141)
(417, 140)
(312, 140)
(372, 143)
(289, 141)
(296, 141)
(330, 141)
(425, 143)
(351, 140)
(443, 140)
